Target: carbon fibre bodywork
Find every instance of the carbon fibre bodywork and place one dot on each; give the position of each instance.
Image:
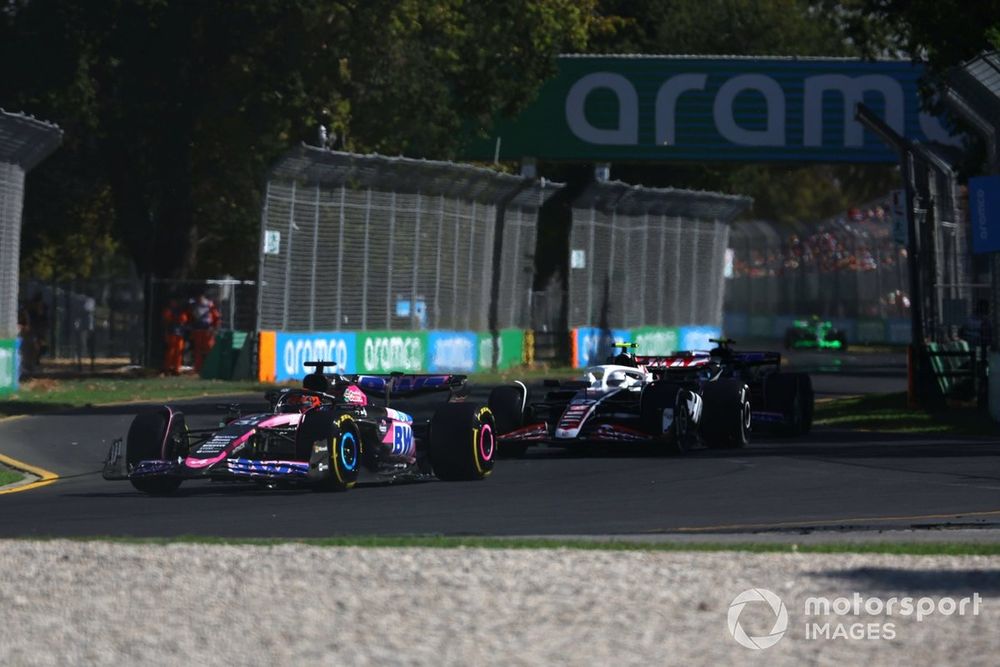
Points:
(328, 430)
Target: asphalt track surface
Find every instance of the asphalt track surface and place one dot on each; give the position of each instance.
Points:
(829, 480)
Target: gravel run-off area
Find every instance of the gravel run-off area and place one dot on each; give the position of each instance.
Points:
(102, 603)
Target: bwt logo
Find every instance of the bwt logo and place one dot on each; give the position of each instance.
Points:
(851, 91)
(402, 439)
(301, 350)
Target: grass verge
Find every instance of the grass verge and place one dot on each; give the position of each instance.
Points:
(442, 542)
(889, 413)
(42, 395)
(8, 476)
(46, 394)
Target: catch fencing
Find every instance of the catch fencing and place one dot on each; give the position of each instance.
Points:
(353, 243)
(648, 256)
(853, 269)
(24, 142)
(843, 267)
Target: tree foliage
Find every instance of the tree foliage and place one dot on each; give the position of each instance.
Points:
(177, 108)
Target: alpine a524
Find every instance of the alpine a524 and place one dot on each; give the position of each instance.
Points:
(327, 435)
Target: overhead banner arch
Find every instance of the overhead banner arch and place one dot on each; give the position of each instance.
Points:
(666, 108)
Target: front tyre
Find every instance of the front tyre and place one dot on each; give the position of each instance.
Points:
(156, 435)
(341, 460)
(463, 444)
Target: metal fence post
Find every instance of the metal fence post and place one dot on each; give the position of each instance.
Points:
(392, 250)
(288, 260)
(340, 260)
(437, 264)
(662, 220)
(261, 257)
(416, 262)
(364, 283)
(312, 277)
(472, 247)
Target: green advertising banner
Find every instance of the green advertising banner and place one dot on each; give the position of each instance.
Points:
(511, 350)
(658, 108)
(388, 351)
(655, 341)
(8, 365)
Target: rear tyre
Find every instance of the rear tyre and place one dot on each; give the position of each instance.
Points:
(343, 454)
(148, 440)
(463, 442)
(507, 404)
(725, 417)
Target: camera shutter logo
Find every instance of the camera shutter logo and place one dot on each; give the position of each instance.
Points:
(780, 618)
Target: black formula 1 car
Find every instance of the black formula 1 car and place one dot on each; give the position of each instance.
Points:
(783, 401)
(680, 400)
(327, 435)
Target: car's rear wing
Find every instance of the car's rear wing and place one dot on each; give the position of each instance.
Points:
(407, 384)
(674, 361)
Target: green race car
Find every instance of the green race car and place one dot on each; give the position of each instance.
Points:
(815, 334)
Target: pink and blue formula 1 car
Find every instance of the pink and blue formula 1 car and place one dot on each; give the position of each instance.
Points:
(327, 435)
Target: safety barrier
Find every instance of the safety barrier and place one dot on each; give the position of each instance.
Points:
(281, 354)
(9, 364)
(592, 345)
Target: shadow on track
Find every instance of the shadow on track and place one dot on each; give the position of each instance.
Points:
(950, 582)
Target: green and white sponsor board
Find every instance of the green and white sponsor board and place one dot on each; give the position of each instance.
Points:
(654, 341)
(379, 352)
(9, 365)
(388, 351)
(664, 108)
(511, 349)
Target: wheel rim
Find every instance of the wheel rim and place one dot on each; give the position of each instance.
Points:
(487, 443)
(348, 451)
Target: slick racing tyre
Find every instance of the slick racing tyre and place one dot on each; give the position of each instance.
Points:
(792, 395)
(463, 442)
(148, 440)
(507, 403)
(336, 456)
(656, 398)
(725, 419)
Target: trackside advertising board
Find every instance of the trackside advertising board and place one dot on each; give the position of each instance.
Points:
(984, 213)
(511, 349)
(593, 346)
(380, 352)
(9, 365)
(660, 108)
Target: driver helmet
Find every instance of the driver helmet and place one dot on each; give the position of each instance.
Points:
(301, 403)
(623, 358)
